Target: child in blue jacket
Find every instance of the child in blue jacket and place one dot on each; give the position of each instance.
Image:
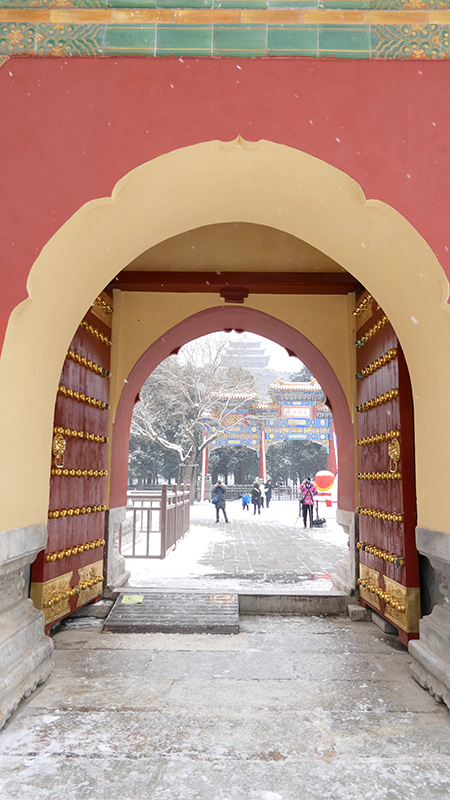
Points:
(245, 501)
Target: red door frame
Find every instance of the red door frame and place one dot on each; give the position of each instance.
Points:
(230, 318)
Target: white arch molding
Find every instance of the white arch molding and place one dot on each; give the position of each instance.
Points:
(208, 183)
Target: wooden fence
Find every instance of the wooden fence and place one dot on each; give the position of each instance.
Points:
(278, 492)
(155, 521)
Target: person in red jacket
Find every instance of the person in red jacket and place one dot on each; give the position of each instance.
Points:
(308, 490)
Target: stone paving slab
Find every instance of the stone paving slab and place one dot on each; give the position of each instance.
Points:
(84, 640)
(229, 733)
(268, 694)
(271, 778)
(320, 667)
(104, 693)
(289, 709)
(191, 695)
(162, 612)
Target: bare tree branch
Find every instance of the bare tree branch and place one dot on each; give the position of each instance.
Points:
(184, 390)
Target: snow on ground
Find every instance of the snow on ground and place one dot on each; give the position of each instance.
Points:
(182, 564)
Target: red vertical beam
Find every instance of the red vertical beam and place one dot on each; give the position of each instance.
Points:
(204, 467)
(331, 455)
(262, 454)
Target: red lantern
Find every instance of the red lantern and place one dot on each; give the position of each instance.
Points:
(324, 480)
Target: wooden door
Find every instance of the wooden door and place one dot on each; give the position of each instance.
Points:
(389, 570)
(69, 573)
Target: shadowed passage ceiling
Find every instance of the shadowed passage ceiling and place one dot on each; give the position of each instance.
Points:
(235, 259)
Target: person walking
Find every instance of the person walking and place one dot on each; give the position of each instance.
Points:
(256, 497)
(220, 492)
(308, 490)
(262, 489)
(268, 488)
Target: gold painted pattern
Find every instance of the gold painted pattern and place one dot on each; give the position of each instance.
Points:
(85, 590)
(61, 13)
(372, 577)
(363, 310)
(363, 304)
(52, 597)
(89, 579)
(102, 309)
(404, 608)
(391, 600)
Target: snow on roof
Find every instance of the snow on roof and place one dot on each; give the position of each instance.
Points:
(233, 395)
(295, 386)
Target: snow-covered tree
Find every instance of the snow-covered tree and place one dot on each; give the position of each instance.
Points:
(201, 383)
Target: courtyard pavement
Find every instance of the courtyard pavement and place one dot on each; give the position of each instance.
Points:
(291, 708)
(270, 551)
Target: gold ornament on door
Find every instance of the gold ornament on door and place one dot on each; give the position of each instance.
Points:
(59, 446)
(394, 454)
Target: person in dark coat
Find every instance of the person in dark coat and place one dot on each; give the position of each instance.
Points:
(262, 489)
(268, 488)
(256, 497)
(220, 490)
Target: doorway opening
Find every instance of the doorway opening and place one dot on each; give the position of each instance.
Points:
(236, 410)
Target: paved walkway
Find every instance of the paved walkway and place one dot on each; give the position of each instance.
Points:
(270, 550)
(299, 708)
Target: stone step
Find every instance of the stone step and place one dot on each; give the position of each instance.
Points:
(320, 605)
(358, 613)
(173, 612)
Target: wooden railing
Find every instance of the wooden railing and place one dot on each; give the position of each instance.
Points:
(278, 492)
(155, 521)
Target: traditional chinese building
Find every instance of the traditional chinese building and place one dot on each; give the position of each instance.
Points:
(296, 412)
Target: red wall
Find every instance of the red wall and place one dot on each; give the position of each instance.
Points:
(70, 129)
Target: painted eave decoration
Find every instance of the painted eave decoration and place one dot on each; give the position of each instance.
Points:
(349, 29)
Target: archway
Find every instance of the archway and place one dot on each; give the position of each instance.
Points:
(277, 186)
(223, 318)
(261, 183)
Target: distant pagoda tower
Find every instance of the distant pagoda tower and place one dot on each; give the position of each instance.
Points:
(247, 354)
